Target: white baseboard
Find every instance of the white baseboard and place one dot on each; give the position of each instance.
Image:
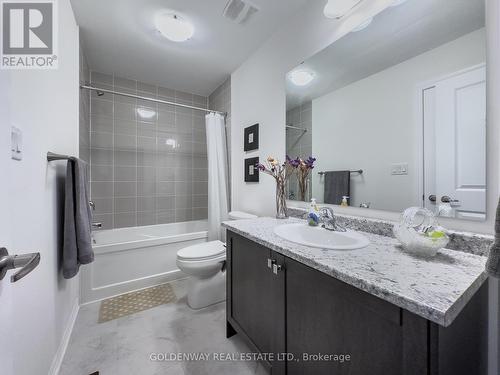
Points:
(63, 345)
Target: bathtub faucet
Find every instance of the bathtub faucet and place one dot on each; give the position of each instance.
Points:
(97, 225)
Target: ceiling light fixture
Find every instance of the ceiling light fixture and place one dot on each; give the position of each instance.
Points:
(174, 27)
(301, 77)
(339, 8)
(146, 113)
(363, 25)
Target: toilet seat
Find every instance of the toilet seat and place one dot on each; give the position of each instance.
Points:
(203, 251)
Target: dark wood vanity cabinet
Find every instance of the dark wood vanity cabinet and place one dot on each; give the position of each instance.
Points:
(256, 298)
(283, 306)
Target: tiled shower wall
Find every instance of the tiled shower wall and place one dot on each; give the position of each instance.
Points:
(298, 143)
(150, 168)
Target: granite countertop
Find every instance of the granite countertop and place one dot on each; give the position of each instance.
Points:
(436, 289)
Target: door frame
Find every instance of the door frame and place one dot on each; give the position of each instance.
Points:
(419, 123)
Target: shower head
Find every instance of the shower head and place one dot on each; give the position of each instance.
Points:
(100, 93)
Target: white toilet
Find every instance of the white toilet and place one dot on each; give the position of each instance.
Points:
(204, 264)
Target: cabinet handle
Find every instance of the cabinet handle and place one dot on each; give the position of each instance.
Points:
(277, 268)
(270, 263)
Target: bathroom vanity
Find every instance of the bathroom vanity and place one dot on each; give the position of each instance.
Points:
(374, 310)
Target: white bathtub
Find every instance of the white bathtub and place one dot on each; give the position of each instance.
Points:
(128, 259)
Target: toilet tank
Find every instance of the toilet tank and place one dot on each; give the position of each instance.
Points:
(238, 215)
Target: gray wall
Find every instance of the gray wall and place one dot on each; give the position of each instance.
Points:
(299, 144)
(146, 171)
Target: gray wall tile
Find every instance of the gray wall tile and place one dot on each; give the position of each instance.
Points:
(125, 173)
(125, 205)
(125, 220)
(142, 168)
(103, 206)
(101, 172)
(146, 218)
(199, 213)
(101, 156)
(164, 217)
(125, 189)
(101, 189)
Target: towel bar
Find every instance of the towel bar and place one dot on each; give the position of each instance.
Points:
(53, 156)
(360, 171)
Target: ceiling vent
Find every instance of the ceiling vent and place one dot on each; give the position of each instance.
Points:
(239, 11)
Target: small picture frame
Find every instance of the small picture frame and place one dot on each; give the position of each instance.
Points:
(251, 138)
(251, 170)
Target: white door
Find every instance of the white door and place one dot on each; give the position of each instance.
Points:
(6, 291)
(460, 143)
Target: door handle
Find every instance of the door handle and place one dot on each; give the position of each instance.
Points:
(447, 199)
(270, 263)
(26, 263)
(277, 268)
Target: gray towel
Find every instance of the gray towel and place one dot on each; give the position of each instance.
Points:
(493, 263)
(77, 245)
(337, 185)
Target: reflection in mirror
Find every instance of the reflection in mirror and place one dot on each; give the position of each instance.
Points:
(395, 112)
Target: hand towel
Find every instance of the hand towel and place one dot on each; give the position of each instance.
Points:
(493, 263)
(337, 185)
(77, 243)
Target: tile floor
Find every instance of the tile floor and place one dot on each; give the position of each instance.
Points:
(123, 346)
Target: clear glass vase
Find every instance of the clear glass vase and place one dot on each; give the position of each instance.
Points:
(281, 209)
(303, 186)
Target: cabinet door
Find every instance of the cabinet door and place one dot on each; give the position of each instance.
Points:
(255, 296)
(326, 316)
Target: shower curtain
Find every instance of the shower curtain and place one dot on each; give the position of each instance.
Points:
(217, 175)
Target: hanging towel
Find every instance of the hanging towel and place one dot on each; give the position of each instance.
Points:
(77, 244)
(337, 185)
(493, 263)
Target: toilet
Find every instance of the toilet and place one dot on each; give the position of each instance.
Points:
(204, 264)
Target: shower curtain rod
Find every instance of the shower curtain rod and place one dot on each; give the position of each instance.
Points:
(101, 90)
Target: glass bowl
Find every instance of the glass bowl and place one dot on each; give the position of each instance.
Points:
(419, 232)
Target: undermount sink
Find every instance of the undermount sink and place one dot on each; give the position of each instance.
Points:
(304, 234)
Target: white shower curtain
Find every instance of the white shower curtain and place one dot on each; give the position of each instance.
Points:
(217, 175)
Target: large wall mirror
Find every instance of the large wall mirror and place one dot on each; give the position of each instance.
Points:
(395, 112)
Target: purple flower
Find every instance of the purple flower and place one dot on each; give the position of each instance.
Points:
(309, 162)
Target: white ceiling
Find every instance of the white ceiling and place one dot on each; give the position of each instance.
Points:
(395, 35)
(119, 37)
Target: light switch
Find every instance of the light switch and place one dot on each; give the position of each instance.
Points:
(16, 143)
(399, 169)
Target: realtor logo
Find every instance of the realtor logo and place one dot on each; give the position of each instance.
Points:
(29, 35)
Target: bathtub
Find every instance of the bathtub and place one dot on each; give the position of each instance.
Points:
(128, 259)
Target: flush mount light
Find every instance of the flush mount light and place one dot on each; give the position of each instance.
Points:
(146, 113)
(339, 8)
(174, 27)
(301, 77)
(364, 25)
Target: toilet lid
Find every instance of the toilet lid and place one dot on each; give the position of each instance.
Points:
(201, 251)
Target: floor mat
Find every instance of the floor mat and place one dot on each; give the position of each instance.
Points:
(133, 302)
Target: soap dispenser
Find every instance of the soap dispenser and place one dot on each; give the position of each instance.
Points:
(344, 202)
(313, 214)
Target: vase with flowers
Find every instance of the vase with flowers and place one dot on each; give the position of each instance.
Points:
(281, 172)
(302, 169)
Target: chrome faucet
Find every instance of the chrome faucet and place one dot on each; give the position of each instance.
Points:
(329, 221)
